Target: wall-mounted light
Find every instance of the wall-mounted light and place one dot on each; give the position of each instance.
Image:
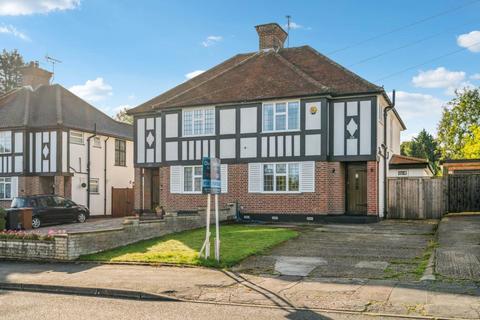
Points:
(333, 170)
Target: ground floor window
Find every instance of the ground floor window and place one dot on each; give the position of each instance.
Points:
(192, 179)
(281, 177)
(5, 188)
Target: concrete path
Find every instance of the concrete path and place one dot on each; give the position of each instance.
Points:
(207, 285)
(458, 252)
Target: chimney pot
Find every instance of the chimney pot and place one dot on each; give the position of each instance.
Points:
(271, 36)
(34, 76)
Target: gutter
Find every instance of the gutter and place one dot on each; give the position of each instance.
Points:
(88, 165)
(105, 179)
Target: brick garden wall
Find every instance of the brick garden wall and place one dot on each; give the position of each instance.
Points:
(372, 185)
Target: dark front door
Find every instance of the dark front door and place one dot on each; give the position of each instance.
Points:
(155, 188)
(357, 188)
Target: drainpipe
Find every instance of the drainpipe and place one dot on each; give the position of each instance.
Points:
(88, 164)
(385, 155)
(105, 180)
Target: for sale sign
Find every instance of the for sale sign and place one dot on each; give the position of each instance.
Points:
(211, 182)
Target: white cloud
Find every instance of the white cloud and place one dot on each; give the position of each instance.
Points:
(475, 76)
(211, 40)
(195, 73)
(14, 32)
(438, 78)
(470, 40)
(132, 96)
(93, 90)
(419, 111)
(294, 26)
(28, 7)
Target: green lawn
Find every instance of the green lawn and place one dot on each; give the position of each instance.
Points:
(237, 243)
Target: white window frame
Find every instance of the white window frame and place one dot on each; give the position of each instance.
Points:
(194, 176)
(274, 104)
(203, 118)
(282, 174)
(6, 141)
(94, 181)
(79, 136)
(4, 182)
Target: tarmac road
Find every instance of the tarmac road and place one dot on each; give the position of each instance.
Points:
(39, 306)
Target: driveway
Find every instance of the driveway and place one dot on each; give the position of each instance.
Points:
(92, 224)
(388, 249)
(458, 252)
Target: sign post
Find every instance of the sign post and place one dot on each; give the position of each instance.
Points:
(211, 184)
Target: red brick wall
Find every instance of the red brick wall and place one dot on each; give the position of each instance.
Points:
(372, 188)
(329, 195)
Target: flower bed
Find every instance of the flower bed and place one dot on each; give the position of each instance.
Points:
(24, 235)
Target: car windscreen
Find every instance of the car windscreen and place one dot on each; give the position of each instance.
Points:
(23, 203)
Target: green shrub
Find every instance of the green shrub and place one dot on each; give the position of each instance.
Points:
(2, 219)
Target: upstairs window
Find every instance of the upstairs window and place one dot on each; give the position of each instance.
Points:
(192, 179)
(76, 137)
(120, 153)
(198, 122)
(94, 186)
(97, 143)
(5, 142)
(281, 116)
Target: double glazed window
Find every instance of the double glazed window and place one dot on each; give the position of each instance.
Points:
(199, 122)
(5, 188)
(120, 153)
(5, 142)
(281, 116)
(192, 179)
(281, 177)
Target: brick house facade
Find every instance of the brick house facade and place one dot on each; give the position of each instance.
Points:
(297, 135)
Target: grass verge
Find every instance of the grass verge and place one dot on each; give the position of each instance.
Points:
(237, 243)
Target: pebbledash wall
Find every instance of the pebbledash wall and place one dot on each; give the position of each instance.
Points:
(328, 197)
(73, 245)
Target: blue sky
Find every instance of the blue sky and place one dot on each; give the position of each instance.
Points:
(124, 52)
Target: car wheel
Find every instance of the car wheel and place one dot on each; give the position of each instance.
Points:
(36, 222)
(81, 217)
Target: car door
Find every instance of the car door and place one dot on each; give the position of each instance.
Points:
(65, 211)
(46, 209)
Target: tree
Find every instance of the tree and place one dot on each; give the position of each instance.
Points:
(10, 76)
(471, 149)
(423, 146)
(458, 120)
(122, 116)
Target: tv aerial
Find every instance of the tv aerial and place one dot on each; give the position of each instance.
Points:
(53, 61)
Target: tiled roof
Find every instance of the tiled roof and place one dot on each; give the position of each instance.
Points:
(292, 72)
(53, 105)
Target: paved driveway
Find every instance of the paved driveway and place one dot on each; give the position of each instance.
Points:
(92, 224)
(388, 249)
(458, 252)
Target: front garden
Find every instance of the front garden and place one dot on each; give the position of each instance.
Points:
(237, 243)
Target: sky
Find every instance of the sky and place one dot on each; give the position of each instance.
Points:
(120, 53)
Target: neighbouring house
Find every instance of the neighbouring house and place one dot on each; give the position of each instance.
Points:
(52, 141)
(298, 136)
(461, 166)
(405, 166)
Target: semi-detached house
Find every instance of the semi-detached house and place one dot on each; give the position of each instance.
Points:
(53, 142)
(298, 136)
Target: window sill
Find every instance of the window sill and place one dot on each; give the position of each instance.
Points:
(198, 135)
(279, 192)
(120, 165)
(280, 131)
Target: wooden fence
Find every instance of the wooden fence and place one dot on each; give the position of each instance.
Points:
(417, 198)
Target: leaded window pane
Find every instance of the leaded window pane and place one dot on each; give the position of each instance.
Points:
(268, 177)
(198, 184)
(187, 179)
(281, 183)
(209, 121)
(293, 177)
(268, 117)
(187, 123)
(293, 115)
(281, 168)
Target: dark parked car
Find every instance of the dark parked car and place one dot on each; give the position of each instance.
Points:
(51, 209)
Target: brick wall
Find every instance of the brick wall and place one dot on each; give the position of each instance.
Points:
(372, 185)
(328, 198)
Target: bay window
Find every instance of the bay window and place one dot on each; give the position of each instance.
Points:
(5, 142)
(281, 177)
(199, 122)
(192, 179)
(281, 116)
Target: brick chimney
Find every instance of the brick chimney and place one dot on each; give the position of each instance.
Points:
(271, 36)
(34, 76)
